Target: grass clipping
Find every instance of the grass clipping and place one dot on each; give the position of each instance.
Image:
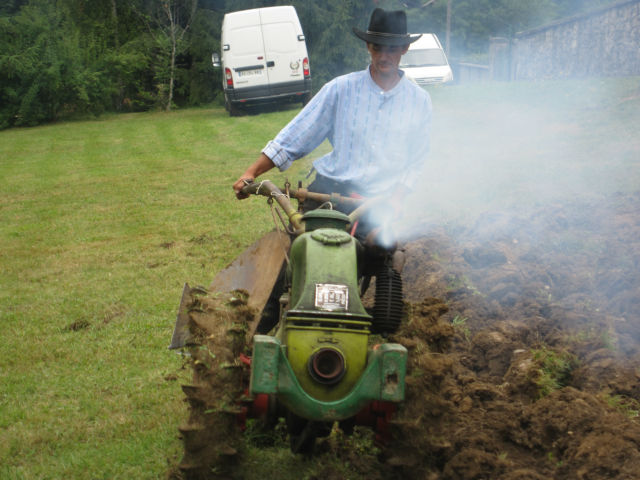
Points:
(218, 323)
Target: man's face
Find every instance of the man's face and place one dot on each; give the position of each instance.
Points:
(385, 59)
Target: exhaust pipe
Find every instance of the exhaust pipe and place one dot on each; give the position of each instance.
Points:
(327, 366)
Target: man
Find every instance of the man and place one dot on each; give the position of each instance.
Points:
(377, 121)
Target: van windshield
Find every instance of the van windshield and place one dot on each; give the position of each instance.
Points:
(431, 57)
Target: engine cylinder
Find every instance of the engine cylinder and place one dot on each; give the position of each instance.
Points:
(388, 308)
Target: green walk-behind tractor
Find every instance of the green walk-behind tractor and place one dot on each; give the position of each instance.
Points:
(316, 361)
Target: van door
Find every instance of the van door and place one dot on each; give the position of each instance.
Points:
(284, 46)
(246, 55)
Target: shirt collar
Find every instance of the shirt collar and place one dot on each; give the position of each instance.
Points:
(390, 93)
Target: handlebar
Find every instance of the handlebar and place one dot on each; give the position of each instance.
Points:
(268, 189)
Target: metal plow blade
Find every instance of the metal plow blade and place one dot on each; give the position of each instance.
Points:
(255, 271)
(181, 333)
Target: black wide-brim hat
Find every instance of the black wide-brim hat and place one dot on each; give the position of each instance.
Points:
(387, 28)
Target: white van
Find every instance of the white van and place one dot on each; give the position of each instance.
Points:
(426, 62)
(264, 58)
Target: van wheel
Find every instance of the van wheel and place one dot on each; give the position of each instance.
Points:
(233, 110)
(305, 99)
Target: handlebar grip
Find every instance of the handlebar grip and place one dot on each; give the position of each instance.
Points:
(250, 187)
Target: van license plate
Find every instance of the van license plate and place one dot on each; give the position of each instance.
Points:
(246, 73)
(331, 297)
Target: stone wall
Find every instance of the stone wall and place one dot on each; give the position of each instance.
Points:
(604, 42)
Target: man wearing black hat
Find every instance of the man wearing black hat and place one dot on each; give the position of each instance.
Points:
(377, 120)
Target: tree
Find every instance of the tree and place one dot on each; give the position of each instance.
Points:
(65, 57)
(11, 7)
(333, 48)
(200, 83)
(172, 20)
(113, 43)
(44, 69)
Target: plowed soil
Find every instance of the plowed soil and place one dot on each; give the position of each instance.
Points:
(524, 341)
(523, 334)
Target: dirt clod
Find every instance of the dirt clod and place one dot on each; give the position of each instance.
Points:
(541, 376)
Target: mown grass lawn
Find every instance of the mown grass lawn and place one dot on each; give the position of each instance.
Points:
(102, 221)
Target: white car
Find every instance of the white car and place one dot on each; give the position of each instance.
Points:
(425, 62)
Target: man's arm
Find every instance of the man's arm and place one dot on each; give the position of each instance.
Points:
(262, 165)
(301, 135)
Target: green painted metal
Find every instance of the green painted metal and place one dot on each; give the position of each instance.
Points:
(325, 260)
(322, 218)
(382, 379)
(324, 256)
(325, 312)
(303, 340)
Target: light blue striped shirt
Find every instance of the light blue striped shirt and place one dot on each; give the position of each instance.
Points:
(379, 138)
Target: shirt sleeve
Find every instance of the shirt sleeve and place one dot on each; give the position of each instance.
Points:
(306, 131)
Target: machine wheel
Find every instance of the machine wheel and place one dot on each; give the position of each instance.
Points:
(304, 442)
(303, 433)
(302, 438)
(211, 435)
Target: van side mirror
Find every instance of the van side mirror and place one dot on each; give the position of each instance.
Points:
(215, 60)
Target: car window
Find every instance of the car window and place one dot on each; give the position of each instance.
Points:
(424, 58)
